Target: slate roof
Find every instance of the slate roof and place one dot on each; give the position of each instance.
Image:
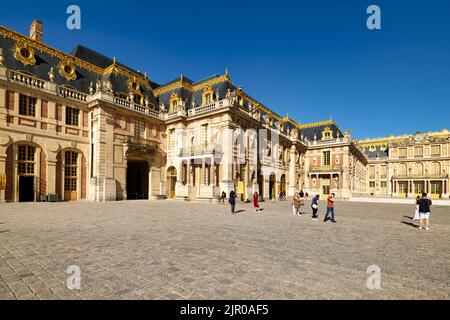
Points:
(377, 153)
(310, 130)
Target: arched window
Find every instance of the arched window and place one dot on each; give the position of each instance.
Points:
(418, 169)
(402, 169)
(435, 169)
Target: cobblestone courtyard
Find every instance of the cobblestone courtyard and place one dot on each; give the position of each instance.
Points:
(178, 250)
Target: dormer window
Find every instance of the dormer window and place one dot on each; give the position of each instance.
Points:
(327, 134)
(137, 98)
(208, 98)
(174, 102)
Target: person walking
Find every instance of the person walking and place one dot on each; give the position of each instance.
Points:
(256, 202)
(302, 201)
(315, 206)
(416, 211)
(295, 204)
(330, 208)
(232, 201)
(223, 197)
(424, 212)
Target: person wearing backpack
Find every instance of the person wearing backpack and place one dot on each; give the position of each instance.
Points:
(232, 201)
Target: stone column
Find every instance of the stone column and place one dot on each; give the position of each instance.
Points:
(103, 184)
(203, 172)
(292, 173)
(3, 112)
(212, 178)
(346, 192)
(306, 175)
(227, 160)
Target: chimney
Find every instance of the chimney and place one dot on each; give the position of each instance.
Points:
(37, 31)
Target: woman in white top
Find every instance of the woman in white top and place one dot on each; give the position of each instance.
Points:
(416, 212)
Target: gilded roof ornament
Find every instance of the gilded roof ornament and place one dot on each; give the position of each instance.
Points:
(24, 53)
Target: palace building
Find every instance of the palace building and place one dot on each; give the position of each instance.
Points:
(408, 165)
(80, 125)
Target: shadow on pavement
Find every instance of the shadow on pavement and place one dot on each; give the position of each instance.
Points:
(409, 224)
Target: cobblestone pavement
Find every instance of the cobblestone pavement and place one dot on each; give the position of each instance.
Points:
(183, 250)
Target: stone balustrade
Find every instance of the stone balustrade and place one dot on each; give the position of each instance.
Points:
(209, 107)
(136, 107)
(72, 94)
(26, 80)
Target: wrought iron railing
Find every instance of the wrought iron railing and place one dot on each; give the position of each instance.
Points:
(200, 150)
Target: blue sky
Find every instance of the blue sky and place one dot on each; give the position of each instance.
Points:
(312, 59)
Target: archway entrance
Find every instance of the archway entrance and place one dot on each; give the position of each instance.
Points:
(26, 171)
(283, 184)
(260, 185)
(272, 182)
(137, 179)
(171, 182)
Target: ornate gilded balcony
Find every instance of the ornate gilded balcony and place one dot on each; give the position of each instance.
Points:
(208, 149)
(140, 144)
(325, 169)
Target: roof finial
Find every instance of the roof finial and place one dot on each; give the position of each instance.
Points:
(181, 77)
(114, 60)
(145, 74)
(226, 71)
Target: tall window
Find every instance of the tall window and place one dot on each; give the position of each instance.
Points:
(208, 98)
(418, 152)
(171, 139)
(383, 171)
(70, 171)
(27, 105)
(436, 150)
(402, 152)
(72, 116)
(139, 128)
(402, 169)
(435, 169)
(137, 99)
(326, 158)
(26, 160)
(372, 172)
(204, 134)
(174, 106)
(418, 169)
